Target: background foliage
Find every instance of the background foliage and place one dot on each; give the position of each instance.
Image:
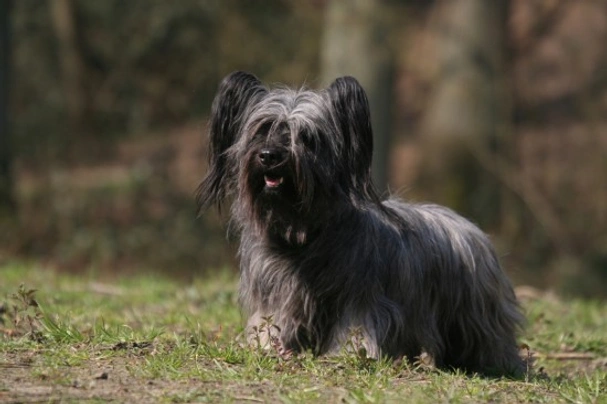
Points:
(496, 109)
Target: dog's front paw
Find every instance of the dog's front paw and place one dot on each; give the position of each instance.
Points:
(285, 353)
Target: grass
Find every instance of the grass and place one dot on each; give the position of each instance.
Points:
(147, 338)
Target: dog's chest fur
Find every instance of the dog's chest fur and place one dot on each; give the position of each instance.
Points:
(331, 285)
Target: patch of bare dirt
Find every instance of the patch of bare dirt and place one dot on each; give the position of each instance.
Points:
(24, 380)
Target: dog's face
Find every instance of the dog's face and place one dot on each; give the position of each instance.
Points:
(288, 155)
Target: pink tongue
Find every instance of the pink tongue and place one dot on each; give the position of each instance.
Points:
(271, 182)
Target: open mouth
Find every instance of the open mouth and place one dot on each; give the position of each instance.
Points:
(273, 181)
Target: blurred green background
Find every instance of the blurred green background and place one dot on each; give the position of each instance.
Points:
(497, 109)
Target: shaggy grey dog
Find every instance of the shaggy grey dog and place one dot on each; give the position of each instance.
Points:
(322, 255)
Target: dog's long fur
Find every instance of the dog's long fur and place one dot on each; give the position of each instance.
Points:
(322, 254)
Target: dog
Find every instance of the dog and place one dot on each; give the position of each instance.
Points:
(321, 254)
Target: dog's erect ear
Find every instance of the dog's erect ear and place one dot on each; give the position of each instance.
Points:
(237, 93)
(353, 118)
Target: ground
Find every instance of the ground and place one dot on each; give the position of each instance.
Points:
(148, 338)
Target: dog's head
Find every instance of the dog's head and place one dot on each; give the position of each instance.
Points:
(289, 156)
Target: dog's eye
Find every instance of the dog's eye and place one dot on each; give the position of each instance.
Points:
(263, 129)
(307, 140)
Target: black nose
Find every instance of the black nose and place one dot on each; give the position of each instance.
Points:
(269, 157)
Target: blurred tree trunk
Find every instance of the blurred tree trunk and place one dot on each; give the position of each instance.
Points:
(356, 43)
(7, 202)
(468, 111)
(71, 63)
